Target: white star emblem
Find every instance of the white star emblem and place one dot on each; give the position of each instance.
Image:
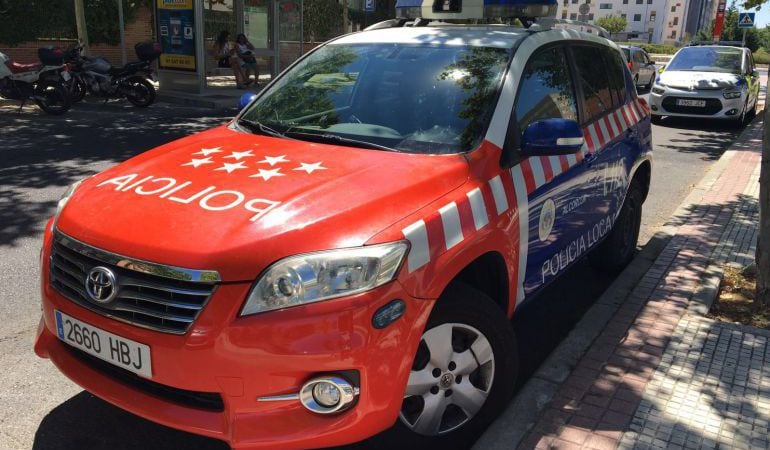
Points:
(238, 155)
(273, 160)
(309, 168)
(208, 151)
(197, 162)
(267, 174)
(229, 167)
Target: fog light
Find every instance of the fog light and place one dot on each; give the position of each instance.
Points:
(328, 395)
(654, 108)
(731, 112)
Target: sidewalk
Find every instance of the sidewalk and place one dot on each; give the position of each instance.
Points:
(646, 369)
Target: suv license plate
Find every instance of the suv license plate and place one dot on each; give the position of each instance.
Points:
(116, 350)
(698, 103)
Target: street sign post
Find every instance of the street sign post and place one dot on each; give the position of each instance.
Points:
(745, 21)
(369, 5)
(583, 10)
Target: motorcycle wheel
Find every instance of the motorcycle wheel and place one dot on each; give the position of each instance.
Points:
(140, 92)
(52, 97)
(77, 89)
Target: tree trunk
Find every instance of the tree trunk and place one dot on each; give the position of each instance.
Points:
(763, 244)
(80, 22)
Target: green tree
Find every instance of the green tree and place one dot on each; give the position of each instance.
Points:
(613, 24)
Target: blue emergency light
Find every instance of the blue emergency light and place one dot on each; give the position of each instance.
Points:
(474, 9)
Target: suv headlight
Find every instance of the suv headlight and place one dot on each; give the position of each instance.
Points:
(658, 90)
(732, 94)
(64, 199)
(314, 277)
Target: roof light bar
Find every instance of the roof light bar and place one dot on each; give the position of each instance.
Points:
(474, 9)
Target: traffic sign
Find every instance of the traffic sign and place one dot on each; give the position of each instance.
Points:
(746, 20)
(369, 5)
(584, 8)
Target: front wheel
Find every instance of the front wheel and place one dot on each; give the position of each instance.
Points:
(77, 89)
(463, 374)
(139, 92)
(52, 97)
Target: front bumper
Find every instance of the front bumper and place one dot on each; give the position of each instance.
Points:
(241, 359)
(717, 107)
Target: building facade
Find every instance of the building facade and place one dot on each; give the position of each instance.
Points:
(653, 21)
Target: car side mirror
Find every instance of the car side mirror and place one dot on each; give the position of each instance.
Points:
(547, 137)
(245, 100)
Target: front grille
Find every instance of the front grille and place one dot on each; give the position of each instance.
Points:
(147, 300)
(209, 401)
(713, 106)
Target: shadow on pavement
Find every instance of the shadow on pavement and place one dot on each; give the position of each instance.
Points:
(708, 137)
(87, 422)
(89, 134)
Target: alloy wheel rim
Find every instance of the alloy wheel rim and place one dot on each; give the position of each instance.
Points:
(450, 380)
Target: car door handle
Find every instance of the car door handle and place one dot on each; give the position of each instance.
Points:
(590, 158)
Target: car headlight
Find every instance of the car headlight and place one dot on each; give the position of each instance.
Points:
(64, 199)
(658, 90)
(314, 277)
(732, 94)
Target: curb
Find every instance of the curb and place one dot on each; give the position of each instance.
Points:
(510, 428)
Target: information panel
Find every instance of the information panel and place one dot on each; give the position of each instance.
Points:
(176, 29)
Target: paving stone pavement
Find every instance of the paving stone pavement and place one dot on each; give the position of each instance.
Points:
(711, 390)
(659, 376)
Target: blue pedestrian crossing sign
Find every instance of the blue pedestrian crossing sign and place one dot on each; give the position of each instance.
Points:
(746, 20)
(369, 5)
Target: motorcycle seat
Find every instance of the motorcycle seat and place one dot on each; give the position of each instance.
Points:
(19, 68)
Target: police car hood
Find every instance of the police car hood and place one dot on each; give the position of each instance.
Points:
(235, 202)
(698, 80)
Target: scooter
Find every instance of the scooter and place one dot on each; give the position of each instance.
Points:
(95, 75)
(43, 83)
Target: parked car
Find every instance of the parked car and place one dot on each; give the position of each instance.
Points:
(643, 69)
(708, 81)
(343, 258)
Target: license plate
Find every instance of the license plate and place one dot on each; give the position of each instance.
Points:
(66, 76)
(116, 350)
(698, 103)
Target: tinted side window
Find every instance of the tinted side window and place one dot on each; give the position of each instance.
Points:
(597, 94)
(616, 71)
(546, 90)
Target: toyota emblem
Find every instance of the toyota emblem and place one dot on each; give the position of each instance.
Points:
(100, 284)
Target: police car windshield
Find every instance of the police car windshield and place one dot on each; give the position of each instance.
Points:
(411, 98)
(707, 59)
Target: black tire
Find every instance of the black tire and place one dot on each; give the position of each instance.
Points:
(139, 92)
(52, 97)
(619, 248)
(462, 306)
(741, 119)
(77, 89)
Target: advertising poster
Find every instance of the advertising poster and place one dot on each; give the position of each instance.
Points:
(176, 29)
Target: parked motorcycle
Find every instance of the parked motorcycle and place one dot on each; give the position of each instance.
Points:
(41, 82)
(95, 75)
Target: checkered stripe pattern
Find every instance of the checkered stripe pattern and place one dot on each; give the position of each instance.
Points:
(458, 220)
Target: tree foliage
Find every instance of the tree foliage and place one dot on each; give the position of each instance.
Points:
(28, 20)
(613, 24)
(730, 30)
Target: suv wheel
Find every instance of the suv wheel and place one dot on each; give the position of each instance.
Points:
(618, 249)
(463, 374)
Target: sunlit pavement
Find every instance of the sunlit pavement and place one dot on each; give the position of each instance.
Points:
(43, 154)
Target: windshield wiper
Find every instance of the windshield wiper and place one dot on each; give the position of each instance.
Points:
(259, 127)
(328, 138)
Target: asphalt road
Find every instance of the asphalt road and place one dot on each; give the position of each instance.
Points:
(40, 155)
